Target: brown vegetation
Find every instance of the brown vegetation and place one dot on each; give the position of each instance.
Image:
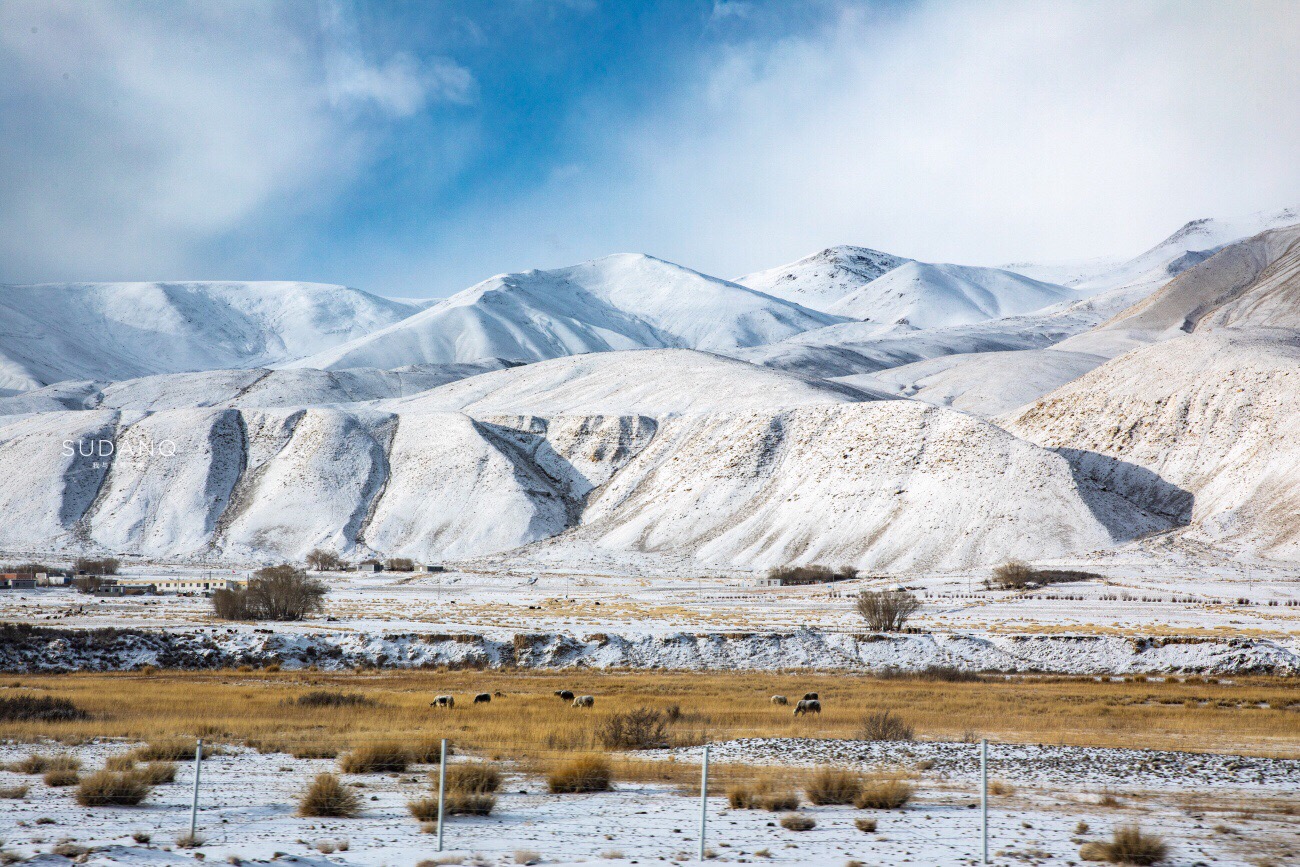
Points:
(887, 610)
(281, 593)
(379, 758)
(111, 789)
(259, 708)
(883, 794)
(833, 786)
(639, 729)
(590, 773)
(26, 708)
(798, 822)
(327, 797)
(1128, 845)
(886, 726)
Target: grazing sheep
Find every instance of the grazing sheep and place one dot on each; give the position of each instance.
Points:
(584, 701)
(483, 698)
(780, 699)
(443, 701)
(807, 705)
(564, 694)
(811, 696)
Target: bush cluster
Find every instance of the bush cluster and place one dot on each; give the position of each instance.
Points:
(26, 708)
(640, 729)
(275, 593)
(887, 610)
(580, 774)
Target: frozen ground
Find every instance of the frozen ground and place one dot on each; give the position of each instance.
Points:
(1138, 616)
(248, 803)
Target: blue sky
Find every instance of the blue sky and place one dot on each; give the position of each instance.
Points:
(413, 148)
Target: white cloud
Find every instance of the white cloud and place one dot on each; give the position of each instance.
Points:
(977, 132)
(131, 135)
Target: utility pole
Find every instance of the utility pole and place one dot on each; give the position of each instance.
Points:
(704, 799)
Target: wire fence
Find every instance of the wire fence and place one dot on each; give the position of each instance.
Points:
(422, 797)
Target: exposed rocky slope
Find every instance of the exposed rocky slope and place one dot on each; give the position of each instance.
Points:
(41, 649)
(1204, 427)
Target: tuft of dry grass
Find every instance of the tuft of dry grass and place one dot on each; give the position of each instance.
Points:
(998, 787)
(883, 794)
(426, 751)
(833, 786)
(469, 804)
(798, 822)
(13, 793)
(121, 763)
(111, 789)
(589, 773)
(1129, 844)
(766, 793)
(477, 778)
(327, 797)
(866, 826)
(168, 750)
(61, 778)
(33, 764)
(380, 758)
(157, 773)
(423, 809)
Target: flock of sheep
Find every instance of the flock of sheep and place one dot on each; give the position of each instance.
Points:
(810, 703)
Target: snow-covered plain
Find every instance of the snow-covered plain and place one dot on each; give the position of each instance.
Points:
(1218, 809)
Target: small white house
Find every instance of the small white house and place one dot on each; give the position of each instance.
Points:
(178, 585)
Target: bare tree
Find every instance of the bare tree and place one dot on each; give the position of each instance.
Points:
(399, 564)
(887, 610)
(1012, 575)
(274, 593)
(324, 561)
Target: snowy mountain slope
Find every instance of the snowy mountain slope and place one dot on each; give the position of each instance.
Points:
(651, 382)
(820, 280)
(890, 485)
(903, 487)
(984, 383)
(924, 295)
(1191, 244)
(623, 301)
(1207, 425)
(260, 387)
(112, 331)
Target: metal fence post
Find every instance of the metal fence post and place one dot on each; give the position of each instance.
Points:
(984, 798)
(194, 806)
(704, 799)
(442, 787)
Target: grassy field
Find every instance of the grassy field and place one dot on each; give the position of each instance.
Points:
(1247, 715)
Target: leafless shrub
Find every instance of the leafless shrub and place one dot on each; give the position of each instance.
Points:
(811, 574)
(280, 593)
(101, 566)
(886, 726)
(797, 822)
(327, 797)
(26, 708)
(399, 564)
(324, 561)
(887, 610)
(640, 729)
(326, 698)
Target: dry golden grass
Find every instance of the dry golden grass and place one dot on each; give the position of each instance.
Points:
(883, 794)
(111, 789)
(832, 786)
(589, 773)
(327, 797)
(172, 708)
(157, 773)
(378, 758)
(477, 778)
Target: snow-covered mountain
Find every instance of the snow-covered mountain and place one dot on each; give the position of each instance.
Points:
(625, 301)
(925, 295)
(112, 331)
(820, 280)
